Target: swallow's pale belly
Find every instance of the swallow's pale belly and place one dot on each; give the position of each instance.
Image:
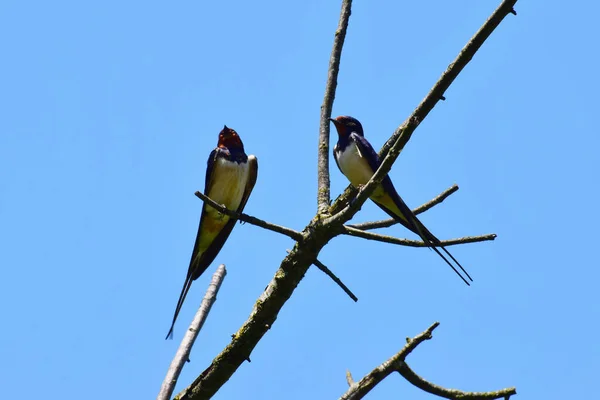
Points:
(228, 184)
(357, 169)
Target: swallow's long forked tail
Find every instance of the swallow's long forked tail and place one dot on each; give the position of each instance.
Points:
(395, 207)
(457, 263)
(434, 243)
(433, 246)
(412, 223)
(184, 291)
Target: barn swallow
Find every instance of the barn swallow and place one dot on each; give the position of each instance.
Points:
(357, 160)
(230, 178)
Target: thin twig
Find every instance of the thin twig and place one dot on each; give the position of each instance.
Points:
(365, 226)
(183, 352)
(348, 230)
(403, 133)
(436, 200)
(429, 387)
(323, 193)
(334, 278)
(249, 219)
(364, 386)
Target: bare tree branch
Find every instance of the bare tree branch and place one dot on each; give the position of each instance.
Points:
(365, 226)
(397, 363)
(317, 234)
(249, 219)
(334, 278)
(185, 347)
(332, 74)
(404, 132)
(360, 389)
(348, 230)
(454, 394)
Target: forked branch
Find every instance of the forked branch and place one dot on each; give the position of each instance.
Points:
(397, 363)
(360, 389)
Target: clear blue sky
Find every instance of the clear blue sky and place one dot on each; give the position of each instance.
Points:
(109, 110)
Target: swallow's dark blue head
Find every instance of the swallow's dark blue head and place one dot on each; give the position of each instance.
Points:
(345, 125)
(229, 139)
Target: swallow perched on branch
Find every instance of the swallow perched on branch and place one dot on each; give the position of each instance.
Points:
(230, 178)
(358, 161)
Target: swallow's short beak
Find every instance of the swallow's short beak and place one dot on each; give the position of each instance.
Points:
(337, 124)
